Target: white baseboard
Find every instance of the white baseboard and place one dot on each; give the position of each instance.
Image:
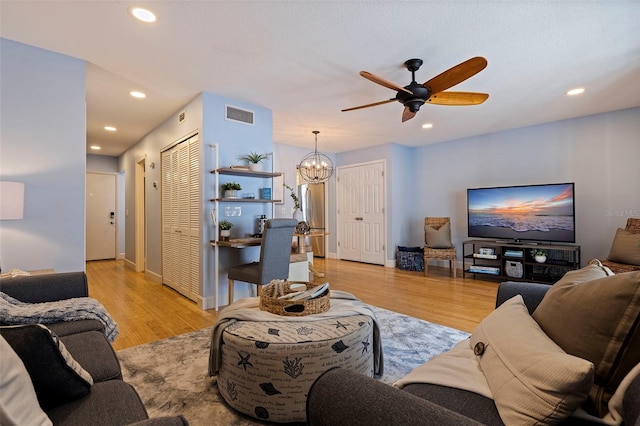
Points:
(120, 256)
(129, 264)
(205, 303)
(390, 263)
(152, 276)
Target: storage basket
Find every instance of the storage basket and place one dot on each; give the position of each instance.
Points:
(410, 258)
(292, 308)
(513, 269)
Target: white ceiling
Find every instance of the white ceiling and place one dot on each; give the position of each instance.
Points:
(301, 60)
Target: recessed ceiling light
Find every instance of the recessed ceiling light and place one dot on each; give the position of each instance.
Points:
(142, 14)
(110, 128)
(427, 126)
(95, 147)
(576, 91)
(139, 95)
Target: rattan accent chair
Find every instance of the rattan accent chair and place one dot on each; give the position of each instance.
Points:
(633, 226)
(438, 253)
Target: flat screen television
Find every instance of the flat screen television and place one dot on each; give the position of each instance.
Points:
(527, 212)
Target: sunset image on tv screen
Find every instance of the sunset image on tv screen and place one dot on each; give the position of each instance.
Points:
(535, 212)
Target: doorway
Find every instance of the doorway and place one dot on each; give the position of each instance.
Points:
(101, 224)
(140, 226)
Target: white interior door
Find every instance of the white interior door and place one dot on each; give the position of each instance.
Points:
(361, 215)
(372, 213)
(101, 216)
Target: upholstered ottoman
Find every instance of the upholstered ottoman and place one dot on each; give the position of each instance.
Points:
(267, 368)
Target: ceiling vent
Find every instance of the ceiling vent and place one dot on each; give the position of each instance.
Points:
(239, 115)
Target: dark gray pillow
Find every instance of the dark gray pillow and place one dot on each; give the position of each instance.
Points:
(57, 378)
(439, 238)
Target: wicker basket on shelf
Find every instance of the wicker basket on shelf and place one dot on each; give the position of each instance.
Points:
(270, 302)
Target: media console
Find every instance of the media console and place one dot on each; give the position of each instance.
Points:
(507, 260)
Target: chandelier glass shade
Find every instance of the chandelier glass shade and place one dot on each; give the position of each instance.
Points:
(315, 167)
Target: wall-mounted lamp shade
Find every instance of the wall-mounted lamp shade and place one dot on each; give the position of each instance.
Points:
(11, 200)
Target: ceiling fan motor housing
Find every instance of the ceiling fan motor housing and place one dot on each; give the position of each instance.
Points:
(419, 94)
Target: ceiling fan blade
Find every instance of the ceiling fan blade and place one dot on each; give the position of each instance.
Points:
(407, 114)
(457, 98)
(455, 75)
(370, 105)
(381, 81)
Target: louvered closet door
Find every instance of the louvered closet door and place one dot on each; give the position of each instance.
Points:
(169, 235)
(181, 200)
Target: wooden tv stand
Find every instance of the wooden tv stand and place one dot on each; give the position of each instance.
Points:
(513, 261)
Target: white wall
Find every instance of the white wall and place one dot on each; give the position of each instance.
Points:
(600, 153)
(43, 144)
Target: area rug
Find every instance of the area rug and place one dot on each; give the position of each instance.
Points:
(171, 374)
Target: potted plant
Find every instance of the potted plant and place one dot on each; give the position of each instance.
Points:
(230, 189)
(225, 229)
(254, 159)
(539, 255)
(297, 213)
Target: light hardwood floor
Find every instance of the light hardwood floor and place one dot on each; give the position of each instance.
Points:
(146, 311)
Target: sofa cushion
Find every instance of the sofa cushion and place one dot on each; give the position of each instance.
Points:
(532, 379)
(113, 402)
(625, 248)
(18, 401)
(598, 320)
(57, 378)
(438, 238)
(66, 328)
(95, 354)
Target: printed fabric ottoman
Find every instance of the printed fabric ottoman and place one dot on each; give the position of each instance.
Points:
(267, 368)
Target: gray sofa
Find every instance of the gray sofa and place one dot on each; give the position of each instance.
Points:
(110, 400)
(342, 397)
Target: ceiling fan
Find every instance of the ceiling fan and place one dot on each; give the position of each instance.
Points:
(415, 94)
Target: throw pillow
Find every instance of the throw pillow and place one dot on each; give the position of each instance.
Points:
(625, 248)
(57, 378)
(532, 379)
(598, 320)
(438, 238)
(594, 270)
(18, 401)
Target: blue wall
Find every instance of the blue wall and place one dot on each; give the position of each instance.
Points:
(43, 144)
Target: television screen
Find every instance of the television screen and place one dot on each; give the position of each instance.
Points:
(529, 212)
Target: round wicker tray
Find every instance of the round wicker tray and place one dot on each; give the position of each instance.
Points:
(292, 308)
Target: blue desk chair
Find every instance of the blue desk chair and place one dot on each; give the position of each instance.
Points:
(275, 251)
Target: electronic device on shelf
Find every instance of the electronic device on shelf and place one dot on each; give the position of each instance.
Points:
(543, 212)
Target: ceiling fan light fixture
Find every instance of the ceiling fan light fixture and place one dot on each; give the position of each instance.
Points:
(427, 126)
(315, 167)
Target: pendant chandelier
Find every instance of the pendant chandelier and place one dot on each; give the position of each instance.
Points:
(315, 167)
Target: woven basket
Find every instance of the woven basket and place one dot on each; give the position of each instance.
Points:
(295, 308)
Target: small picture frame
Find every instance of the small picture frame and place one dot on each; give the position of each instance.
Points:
(486, 251)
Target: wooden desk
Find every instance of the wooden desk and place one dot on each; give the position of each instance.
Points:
(237, 242)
